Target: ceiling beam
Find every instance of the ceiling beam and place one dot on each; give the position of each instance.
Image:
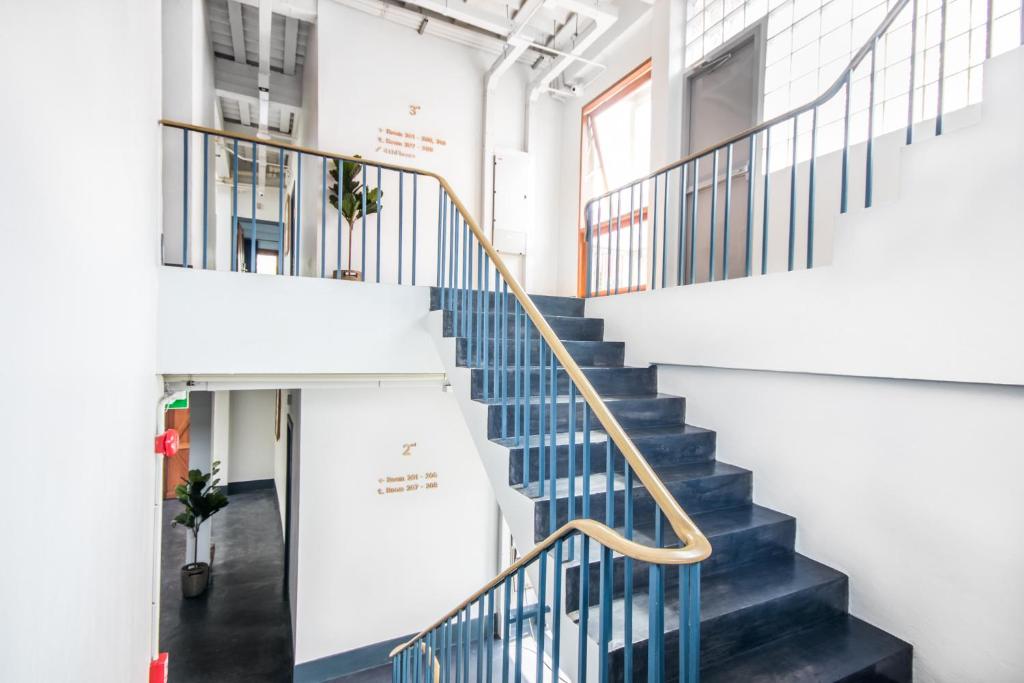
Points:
(237, 32)
(291, 44)
(564, 61)
(517, 43)
(303, 10)
(243, 78)
(244, 100)
(243, 111)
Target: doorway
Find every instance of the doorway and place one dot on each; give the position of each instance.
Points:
(724, 94)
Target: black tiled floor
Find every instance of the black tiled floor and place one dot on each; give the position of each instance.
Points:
(240, 629)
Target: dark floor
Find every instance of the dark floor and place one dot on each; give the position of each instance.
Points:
(240, 630)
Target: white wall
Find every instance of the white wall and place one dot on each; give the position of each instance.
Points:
(252, 445)
(446, 81)
(912, 488)
(246, 323)
(81, 220)
(375, 567)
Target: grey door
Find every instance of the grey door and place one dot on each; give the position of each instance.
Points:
(724, 96)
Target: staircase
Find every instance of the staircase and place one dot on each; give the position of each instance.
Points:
(767, 612)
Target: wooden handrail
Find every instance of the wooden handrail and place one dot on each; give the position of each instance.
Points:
(696, 546)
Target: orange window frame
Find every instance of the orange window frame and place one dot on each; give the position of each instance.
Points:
(622, 88)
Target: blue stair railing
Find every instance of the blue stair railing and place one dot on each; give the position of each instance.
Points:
(484, 300)
(666, 252)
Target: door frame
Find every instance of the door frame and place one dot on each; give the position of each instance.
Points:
(759, 32)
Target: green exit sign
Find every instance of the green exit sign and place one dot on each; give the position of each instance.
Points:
(177, 404)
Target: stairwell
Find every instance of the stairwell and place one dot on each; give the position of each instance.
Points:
(768, 613)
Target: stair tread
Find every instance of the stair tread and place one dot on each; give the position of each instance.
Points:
(599, 482)
(713, 524)
(561, 398)
(730, 591)
(599, 436)
(830, 651)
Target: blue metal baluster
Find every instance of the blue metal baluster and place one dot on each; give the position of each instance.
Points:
(234, 206)
(467, 278)
(206, 198)
(517, 388)
(589, 251)
(629, 247)
(485, 307)
(526, 399)
(467, 635)
(585, 493)
(458, 646)
(556, 612)
(504, 358)
(184, 206)
(446, 660)
(656, 610)
(380, 210)
(440, 243)
(552, 433)
(499, 334)
(693, 221)
(401, 216)
(689, 623)
(362, 266)
(280, 214)
(618, 237)
(627, 628)
(520, 588)
(640, 242)
(506, 635)
(571, 503)
(414, 204)
(942, 66)
(791, 254)
(481, 620)
(682, 226)
(913, 66)
(456, 301)
(415, 654)
(323, 212)
(607, 275)
(596, 289)
(810, 189)
(714, 215)
(664, 228)
(584, 612)
(609, 473)
(751, 165)
(489, 635)
(869, 173)
(298, 210)
(844, 188)
(341, 169)
(542, 581)
(728, 211)
(764, 217)
(605, 625)
(654, 235)
(252, 218)
(442, 239)
(542, 453)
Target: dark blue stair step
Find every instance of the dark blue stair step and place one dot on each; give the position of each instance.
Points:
(739, 535)
(594, 354)
(566, 327)
(699, 487)
(741, 609)
(548, 305)
(844, 649)
(606, 381)
(630, 411)
(660, 446)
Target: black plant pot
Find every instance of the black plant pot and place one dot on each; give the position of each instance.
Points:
(194, 579)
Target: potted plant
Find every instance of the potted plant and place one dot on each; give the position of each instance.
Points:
(352, 200)
(202, 499)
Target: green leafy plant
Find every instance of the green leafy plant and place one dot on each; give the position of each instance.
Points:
(352, 196)
(202, 499)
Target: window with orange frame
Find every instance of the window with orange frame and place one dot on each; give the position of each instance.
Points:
(615, 148)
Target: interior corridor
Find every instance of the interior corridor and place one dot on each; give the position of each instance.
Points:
(240, 629)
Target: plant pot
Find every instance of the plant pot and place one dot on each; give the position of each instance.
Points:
(194, 579)
(351, 275)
